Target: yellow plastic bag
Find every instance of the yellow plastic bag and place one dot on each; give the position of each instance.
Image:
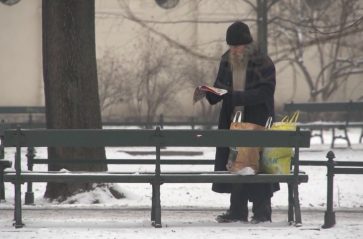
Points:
(287, 123)
(278, 160)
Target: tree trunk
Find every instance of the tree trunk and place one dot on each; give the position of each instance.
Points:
(70, 84)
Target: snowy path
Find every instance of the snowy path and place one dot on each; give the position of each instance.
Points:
(177, 223)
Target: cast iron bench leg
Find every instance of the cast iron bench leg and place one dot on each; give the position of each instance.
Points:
(17, 212)
(17, 189)
(153, 205)
(2, 185)
(321, 136)
(156, 207)
(297, 205)
(333, 138)
(290, 213)
(347, 137)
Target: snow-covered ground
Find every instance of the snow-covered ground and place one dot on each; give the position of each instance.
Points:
(188, 210)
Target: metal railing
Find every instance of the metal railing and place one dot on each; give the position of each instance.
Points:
(333, 168)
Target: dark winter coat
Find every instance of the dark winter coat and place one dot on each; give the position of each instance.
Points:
(258, 102)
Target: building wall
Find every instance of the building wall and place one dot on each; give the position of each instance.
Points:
(20, 58)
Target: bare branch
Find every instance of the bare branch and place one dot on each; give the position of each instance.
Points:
(272, 3)
(188, 50)
(254, 7)
(330, 32)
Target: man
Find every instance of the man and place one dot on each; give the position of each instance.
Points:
(249, 77)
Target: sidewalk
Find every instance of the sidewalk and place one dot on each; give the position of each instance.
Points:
(177, 223)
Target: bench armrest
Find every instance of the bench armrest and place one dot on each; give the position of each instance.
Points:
(5, 164)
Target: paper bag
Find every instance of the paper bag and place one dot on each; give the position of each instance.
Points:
(244, 160)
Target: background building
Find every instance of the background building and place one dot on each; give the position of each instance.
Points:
(135, 38)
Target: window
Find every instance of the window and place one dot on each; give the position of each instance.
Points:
(167, 4)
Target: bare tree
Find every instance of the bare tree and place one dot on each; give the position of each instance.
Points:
(151, 81)
(327, 27)
(159, 75)
(331, 32)
(296, 28)
(113, 78)
(156, 79)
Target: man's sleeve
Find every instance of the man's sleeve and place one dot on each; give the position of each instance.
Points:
(213, 98)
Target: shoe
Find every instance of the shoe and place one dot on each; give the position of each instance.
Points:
(256, 220)
(228, 217)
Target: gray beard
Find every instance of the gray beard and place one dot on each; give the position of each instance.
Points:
(238, 65)
(236, 61)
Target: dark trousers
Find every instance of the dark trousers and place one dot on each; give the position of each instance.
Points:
(261, 207)
(239, 201)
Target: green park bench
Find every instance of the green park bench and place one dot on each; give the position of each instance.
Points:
(347, 108)
(159, 139)
(28, 111)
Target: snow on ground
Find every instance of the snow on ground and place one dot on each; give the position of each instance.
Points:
(188, 210)
(191, 224)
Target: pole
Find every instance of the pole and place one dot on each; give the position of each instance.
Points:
(156, 212)
(262, 26)
(29, 194)
(329, 217)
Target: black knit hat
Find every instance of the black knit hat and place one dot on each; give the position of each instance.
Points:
(238, 34)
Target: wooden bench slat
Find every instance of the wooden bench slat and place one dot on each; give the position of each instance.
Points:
(83, 177)
(325, 106)
(329, 124)
(230, 178)
(127, 161)
(184, 138)
(169, 177)
(22, 109)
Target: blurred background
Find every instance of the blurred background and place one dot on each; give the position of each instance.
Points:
(151, 54)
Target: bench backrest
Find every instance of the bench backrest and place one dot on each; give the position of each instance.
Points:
(325, 107)
(184, 138)
(313, 110)
(22, 110)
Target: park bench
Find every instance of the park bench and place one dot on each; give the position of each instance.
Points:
(28, 111)
(154, 138)
(346, 108)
